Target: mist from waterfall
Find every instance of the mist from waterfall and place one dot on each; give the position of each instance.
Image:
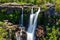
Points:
(32, 24)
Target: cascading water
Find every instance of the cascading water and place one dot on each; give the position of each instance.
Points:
(32, 25)
(18, 37)
(21, 19)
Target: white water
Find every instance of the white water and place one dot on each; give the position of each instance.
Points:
(22, 18)
(32, 25)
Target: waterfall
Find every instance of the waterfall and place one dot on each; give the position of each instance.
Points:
(18, 36)
(21, 19)
(32, 25)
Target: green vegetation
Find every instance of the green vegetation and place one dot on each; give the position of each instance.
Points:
(3, 33)
(52, 35)
(35, 2)
(53, 32)
(6, 31)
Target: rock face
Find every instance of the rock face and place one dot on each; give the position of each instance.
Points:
(20, 34)
(15, 5)
(39, 32)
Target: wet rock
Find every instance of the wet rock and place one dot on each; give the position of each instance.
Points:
(39, 32)
(10, 24)
(5, 20)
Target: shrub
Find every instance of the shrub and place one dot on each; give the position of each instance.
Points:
(3, 33)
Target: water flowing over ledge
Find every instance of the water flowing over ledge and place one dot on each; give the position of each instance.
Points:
(32, 25)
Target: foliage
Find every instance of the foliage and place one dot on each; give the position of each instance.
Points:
(15, 16)
(5, 29)
(51, 35)
(1, 23)
(57, 5)
(36, 2)
(3, 33)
